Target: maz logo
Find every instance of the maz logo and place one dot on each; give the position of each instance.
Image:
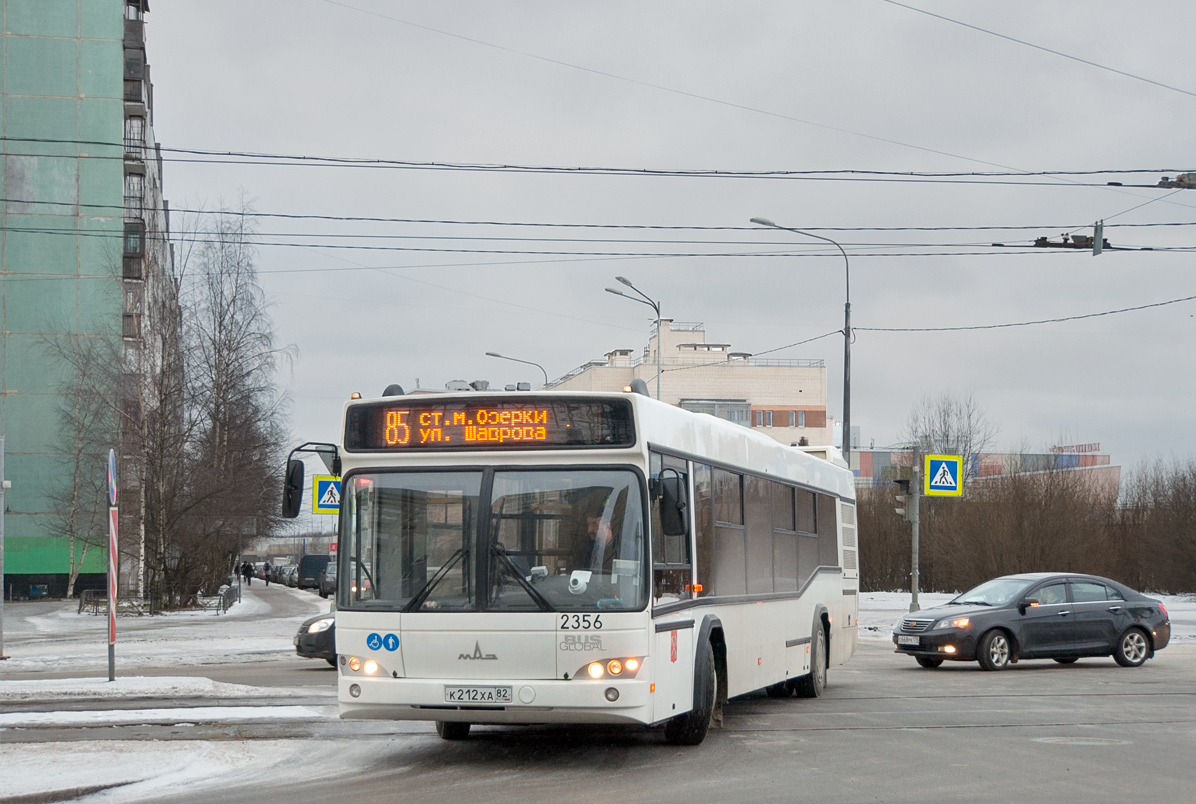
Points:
(477, 654)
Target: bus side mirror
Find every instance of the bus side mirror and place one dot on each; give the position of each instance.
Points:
(292, 489)
(674, 517)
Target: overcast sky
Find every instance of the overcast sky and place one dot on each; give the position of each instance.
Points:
(849, 85)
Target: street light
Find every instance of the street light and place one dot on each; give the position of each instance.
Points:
(656, 307)
(846, 331)
(517, 360)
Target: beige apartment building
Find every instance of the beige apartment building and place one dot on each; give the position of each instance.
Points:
(784, 399)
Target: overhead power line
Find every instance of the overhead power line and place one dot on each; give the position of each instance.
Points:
(1028, 323)
(118, 211)
(196, 155)
(1042, 48)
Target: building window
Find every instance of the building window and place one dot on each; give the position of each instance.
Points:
(801, 418)
(134, 190)
(135, 137)
(793, 418)
(759, 418)
(135, 238)
(768, 418)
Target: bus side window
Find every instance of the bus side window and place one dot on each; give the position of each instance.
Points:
(671, 560)
(828, 531)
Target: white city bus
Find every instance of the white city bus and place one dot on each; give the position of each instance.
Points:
(581, 558)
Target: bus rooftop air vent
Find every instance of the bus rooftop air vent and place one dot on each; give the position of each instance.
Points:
(394, 389)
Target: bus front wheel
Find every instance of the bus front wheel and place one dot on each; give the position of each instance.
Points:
(691, 728)
(452, 731)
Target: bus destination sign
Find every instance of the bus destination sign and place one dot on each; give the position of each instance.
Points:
(422, 424)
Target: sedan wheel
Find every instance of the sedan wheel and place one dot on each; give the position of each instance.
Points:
(1132, 649)
(994, 651)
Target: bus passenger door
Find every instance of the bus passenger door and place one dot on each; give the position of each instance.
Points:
(672, 669)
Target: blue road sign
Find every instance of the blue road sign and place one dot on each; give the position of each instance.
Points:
(390, 642)
(326, 496)
(942, 473)
(373, 641)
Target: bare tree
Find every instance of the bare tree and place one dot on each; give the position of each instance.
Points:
(87, 430)
(951, 425)
(1154, 531)
(233, 396)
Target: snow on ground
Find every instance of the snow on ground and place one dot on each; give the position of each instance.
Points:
(172, 716)
(57, 637)
(130, 687)
(144, 771)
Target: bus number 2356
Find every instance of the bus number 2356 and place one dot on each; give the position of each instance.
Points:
(581, 622)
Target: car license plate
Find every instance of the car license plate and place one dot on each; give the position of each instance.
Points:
(477, 694)
(909, 640)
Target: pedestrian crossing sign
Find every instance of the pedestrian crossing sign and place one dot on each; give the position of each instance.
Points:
(326, 494)
(942, 475)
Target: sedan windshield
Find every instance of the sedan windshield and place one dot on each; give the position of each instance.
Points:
(997, 592)
(554, 540)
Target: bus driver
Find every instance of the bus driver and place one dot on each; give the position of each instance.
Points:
(598, 553)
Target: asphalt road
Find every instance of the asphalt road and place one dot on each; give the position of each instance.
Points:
(886, 730)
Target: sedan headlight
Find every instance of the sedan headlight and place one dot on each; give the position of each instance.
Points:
(321, 625)
(957, 622)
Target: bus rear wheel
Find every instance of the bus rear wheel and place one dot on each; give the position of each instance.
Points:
(691, 728)
(811, 686)
(451, 730)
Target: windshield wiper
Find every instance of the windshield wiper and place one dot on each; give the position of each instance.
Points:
(541, 601)
(422, 595)
(974, 603)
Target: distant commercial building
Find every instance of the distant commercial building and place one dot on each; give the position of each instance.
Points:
(84, 234)
(881, 467)
(784, 399)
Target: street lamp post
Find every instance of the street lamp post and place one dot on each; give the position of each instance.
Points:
(517, 360)
(655, 305)
(846, 330)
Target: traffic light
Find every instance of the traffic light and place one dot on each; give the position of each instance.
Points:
(902, 499)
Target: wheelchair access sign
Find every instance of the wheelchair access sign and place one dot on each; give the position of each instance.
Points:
(942, 475)
(326, 494)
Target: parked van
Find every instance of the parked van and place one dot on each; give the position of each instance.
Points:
(310, 569)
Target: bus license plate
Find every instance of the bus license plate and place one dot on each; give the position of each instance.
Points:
(477, 694)
(909, 640)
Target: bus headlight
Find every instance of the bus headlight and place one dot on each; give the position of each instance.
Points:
(354, 664)
(622, 667)
(371, 667)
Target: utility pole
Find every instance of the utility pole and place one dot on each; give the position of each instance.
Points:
(908, 502)
(3, 486)
(915, 497)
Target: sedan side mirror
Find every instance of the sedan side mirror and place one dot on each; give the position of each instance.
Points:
(1029, 602)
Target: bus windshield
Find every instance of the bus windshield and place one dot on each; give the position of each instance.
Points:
(511, 540)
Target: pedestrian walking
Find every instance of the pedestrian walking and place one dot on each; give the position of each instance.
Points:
(266, 572)
(247, 573)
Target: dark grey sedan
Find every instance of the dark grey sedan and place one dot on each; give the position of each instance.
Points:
(1045, 615)
(317, 638)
